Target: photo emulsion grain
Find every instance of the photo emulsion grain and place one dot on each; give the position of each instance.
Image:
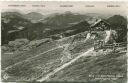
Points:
(63, 42)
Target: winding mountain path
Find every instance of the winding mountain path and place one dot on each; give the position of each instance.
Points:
(64, 65)
(108, 33)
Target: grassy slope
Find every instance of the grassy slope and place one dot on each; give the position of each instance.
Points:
(8, 60)
(35, 67)
(112, 63)
(45, 63)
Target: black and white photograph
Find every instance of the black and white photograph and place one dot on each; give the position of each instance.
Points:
(63, 42)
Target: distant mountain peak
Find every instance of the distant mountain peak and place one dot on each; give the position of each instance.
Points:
(34, 16)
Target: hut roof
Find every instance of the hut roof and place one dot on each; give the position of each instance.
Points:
(97, 22)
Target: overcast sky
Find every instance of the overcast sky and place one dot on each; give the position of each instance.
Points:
(78, 7)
